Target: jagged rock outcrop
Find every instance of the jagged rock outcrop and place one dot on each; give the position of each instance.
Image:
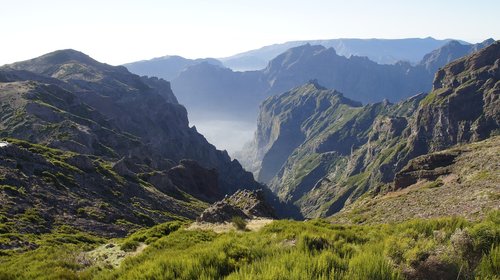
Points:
(339, 151)
(243, 203)
(427, 167)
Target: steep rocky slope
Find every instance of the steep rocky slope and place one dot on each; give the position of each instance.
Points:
(462, 181)
(43, 188)
(69, 102)
(93, 108)
(321, 153)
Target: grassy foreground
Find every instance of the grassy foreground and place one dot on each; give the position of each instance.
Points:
(445, 248)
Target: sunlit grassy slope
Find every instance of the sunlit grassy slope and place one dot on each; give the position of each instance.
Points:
(315, 249)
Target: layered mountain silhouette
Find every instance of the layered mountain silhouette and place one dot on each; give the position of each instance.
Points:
(166, 67)
(103, 149)
(382, 51)
(208, 87)
(215, 95)
(320, 150)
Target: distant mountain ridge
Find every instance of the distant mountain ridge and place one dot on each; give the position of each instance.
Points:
(381, 51)
(449, 52)
(166, 67)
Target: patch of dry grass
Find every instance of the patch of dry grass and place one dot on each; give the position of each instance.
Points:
(252, 225)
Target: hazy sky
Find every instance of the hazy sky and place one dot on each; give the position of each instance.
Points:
(119, 31)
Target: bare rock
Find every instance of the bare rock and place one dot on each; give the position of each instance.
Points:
(244, 203)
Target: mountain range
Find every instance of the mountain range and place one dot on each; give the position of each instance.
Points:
(101, 149)
(381, 51)
(212, 92)
(115, 152)
(320, 150)
(102, 176)
(166, 67)
(361, 79)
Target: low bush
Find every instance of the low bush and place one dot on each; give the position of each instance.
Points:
(239, 223)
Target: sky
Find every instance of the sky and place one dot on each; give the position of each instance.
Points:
(121, 31)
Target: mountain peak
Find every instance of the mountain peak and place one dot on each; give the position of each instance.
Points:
(66, 55)
(488, 41)
(315, 84)
(488, 56)
(305, 48)
(453, 43)
(50, 63)
(452, 50)
(56, 58)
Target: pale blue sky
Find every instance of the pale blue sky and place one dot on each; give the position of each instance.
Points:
(120, 31)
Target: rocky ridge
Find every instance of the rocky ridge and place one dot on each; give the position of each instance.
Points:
(343, 150)
(72, 115)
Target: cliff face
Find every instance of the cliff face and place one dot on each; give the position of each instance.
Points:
(464, 105)
(357, 77)
(67, 101)
(461, 181)
(320, 155)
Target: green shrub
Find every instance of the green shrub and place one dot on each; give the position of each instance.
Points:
(152, 234)
(486, 233)
(311, 243)
(489, 266)
(373, 266)
(239, 223)
(129, 245)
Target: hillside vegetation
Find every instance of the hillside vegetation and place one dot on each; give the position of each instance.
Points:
(446, 248)
(461, 181)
